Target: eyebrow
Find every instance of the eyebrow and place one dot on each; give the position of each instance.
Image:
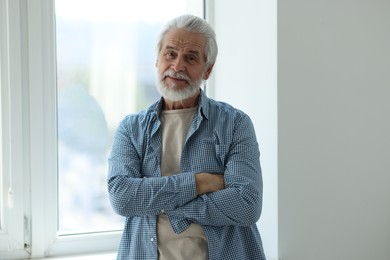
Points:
(194, 52)
(168, 47)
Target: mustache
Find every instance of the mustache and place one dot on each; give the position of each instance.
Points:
(178, 75)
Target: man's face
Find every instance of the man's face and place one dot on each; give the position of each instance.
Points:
(181, 65)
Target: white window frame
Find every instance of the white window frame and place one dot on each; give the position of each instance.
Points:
(14, 243)
(29, 138)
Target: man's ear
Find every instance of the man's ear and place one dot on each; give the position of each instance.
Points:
(208, 72)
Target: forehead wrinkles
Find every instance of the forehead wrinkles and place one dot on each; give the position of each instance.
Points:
(184, 44)
(184, 40)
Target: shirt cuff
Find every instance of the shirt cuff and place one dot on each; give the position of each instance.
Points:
(178, 223)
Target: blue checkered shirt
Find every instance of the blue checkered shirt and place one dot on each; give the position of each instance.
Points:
(221, 139)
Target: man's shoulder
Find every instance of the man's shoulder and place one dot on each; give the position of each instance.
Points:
(221, 107)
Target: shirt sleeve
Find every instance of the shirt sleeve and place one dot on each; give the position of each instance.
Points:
(132, 194)
(240, 203)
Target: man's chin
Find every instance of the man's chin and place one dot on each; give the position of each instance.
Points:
(177, 95)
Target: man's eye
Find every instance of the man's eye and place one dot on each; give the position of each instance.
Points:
(192, 58)
(170, 54)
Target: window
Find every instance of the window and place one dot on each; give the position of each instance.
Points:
(70, 71)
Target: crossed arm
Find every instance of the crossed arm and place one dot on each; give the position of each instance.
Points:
(233, 197)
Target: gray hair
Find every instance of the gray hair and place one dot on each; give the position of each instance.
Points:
(196, 25)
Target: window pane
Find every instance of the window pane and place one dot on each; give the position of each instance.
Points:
(105, 64)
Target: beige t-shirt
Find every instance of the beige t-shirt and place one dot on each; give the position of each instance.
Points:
(191, 243)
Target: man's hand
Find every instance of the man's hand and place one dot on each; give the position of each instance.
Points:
(207, 182)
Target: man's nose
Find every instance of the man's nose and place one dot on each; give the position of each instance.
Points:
(178, 64)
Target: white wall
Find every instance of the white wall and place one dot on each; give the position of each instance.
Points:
(334, 129)
(245, 76)
(326, 164)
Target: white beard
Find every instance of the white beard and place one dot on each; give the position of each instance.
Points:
(173, 93)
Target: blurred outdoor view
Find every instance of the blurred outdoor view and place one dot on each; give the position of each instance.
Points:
(105, 71)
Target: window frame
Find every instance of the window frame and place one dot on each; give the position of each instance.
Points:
(14, 242)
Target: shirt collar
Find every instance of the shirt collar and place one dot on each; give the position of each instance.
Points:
(204, 104)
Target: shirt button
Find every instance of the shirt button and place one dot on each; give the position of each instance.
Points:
(162, 211)
(152, 239)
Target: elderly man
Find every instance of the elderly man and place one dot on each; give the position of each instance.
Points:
(186, 171)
